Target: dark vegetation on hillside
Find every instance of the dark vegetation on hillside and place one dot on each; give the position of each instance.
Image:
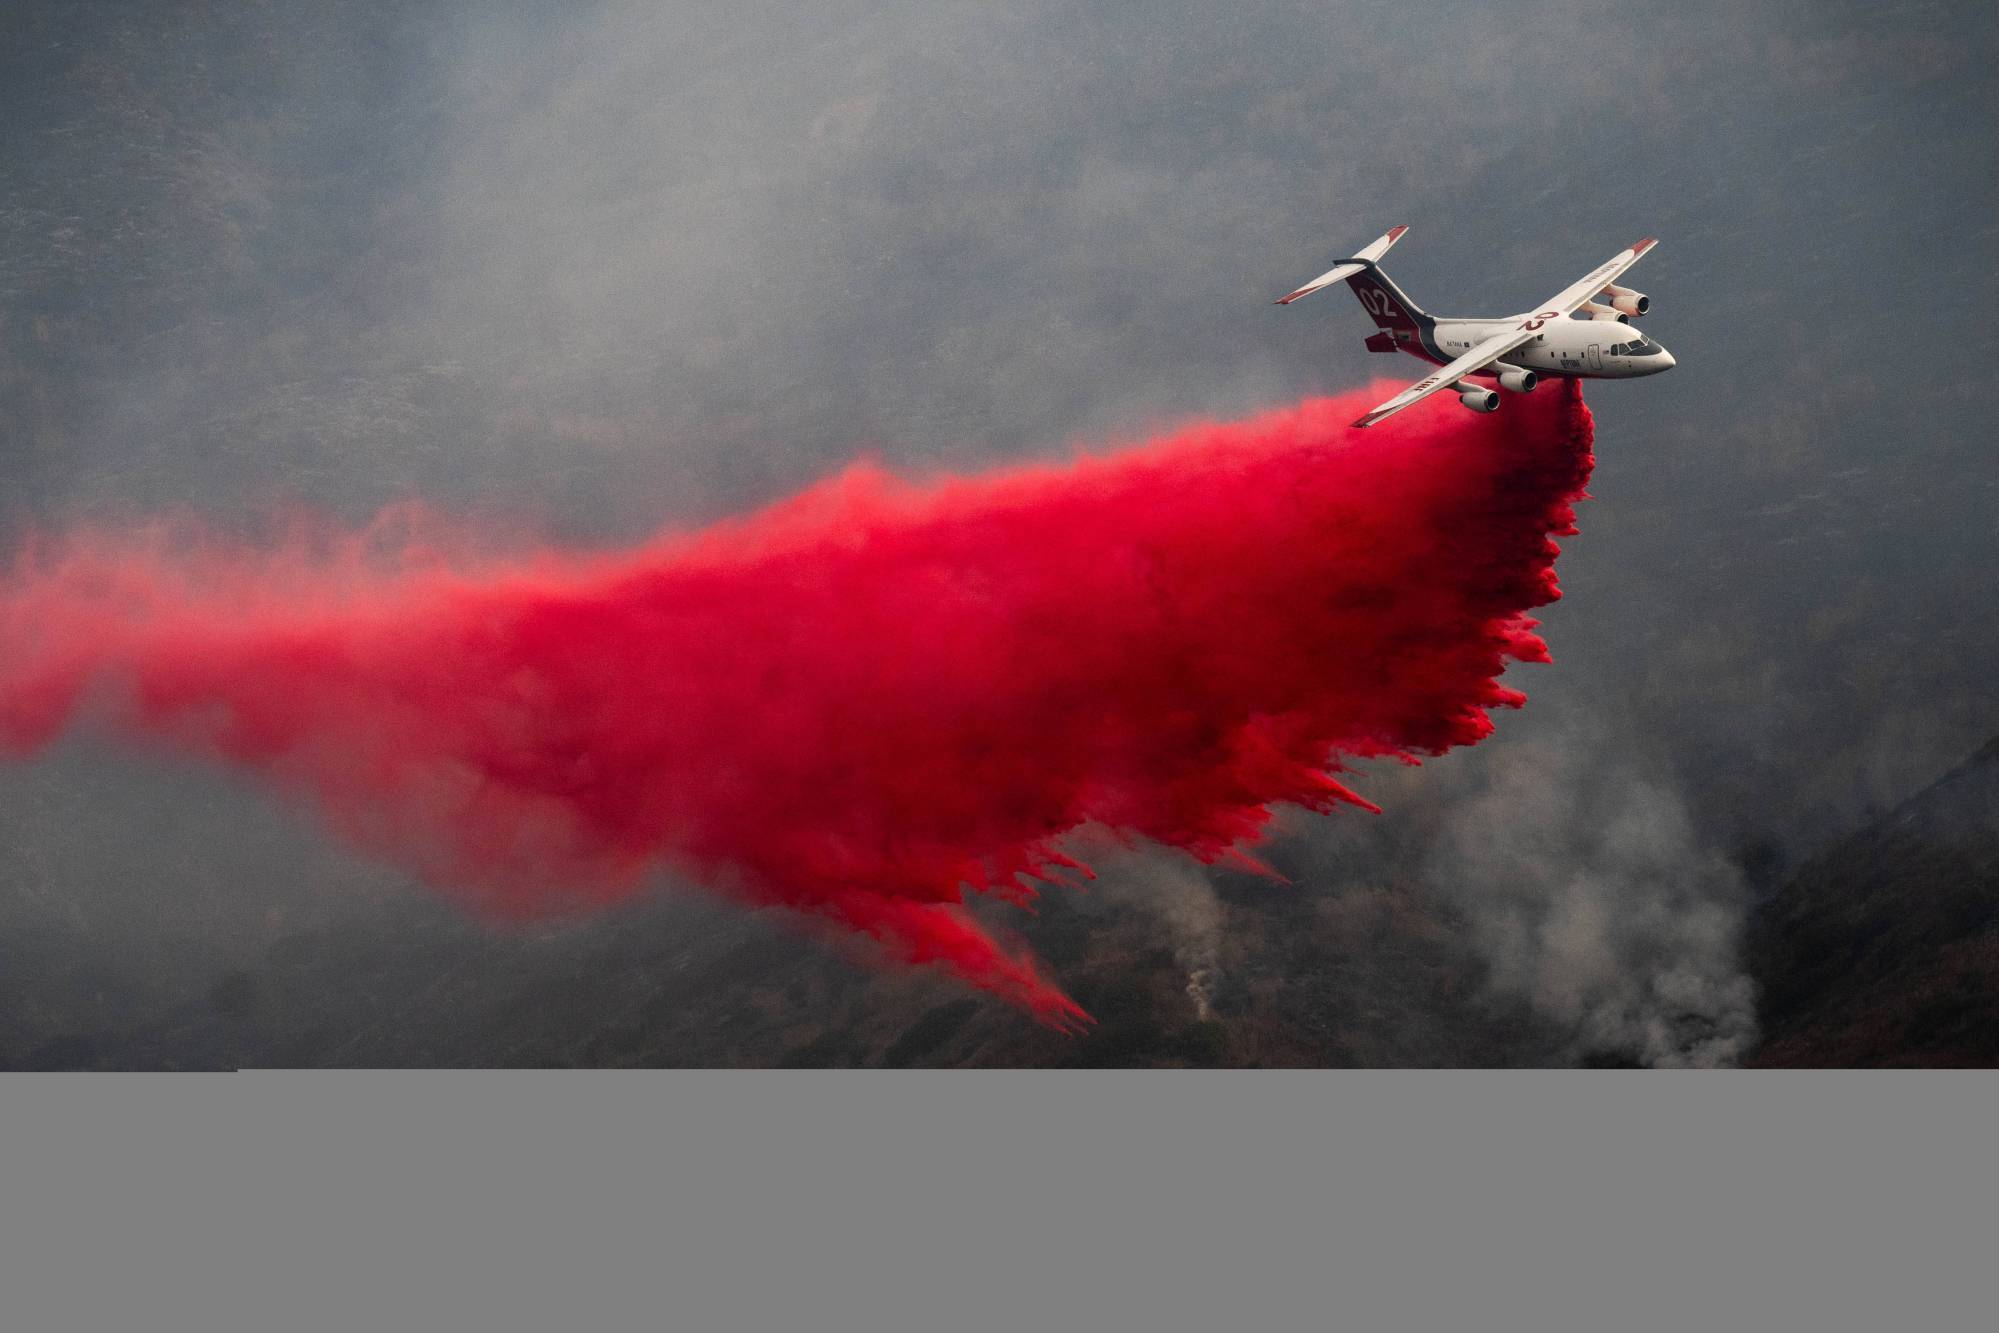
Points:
(1369, 976)
(1884, 948)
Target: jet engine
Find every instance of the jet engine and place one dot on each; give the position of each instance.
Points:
(1476, 398)
(1515, 379)
(1591, 310)
(1626, 301)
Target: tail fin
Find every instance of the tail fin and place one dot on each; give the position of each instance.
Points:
(1386, 303)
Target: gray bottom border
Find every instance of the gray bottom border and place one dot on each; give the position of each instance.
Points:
(999, 1199)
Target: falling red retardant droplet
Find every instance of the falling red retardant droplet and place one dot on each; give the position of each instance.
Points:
(864, 701)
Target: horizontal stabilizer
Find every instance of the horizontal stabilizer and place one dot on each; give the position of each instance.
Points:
(1346, 268)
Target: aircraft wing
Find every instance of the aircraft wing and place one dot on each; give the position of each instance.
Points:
(1484, 354)
(1571, 298)
(1346, 268)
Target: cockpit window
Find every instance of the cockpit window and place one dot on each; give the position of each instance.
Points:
(1643, 347)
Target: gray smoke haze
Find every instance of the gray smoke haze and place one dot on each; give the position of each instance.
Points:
(582, 271)
(1587, 888)
(1174, 889)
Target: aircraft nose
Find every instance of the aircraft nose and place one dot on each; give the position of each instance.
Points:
(1666, 361)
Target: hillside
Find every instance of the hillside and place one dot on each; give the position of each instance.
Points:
(1884, 949)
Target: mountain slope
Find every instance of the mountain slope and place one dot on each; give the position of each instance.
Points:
(1884, 950)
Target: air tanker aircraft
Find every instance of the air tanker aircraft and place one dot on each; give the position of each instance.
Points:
(1565, 337)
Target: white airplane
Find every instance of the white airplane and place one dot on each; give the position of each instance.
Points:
(1562, 338)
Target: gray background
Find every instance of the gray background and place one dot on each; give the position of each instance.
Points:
(1031, 1199)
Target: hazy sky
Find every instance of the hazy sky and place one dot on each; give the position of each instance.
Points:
(596, 268)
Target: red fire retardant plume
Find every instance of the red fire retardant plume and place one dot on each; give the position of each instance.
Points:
(860, 701)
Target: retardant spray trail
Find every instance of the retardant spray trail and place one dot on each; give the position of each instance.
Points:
(863, 699)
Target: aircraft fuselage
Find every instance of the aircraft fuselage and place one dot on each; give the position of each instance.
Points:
(1565, 348)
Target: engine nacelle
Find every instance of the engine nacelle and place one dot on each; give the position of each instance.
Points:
(1591, 310)
(1476, 398)
(1514, 379)
(1625, 301)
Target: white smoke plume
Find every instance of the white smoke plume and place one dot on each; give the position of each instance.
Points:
(1174, 888)
(1590, 893)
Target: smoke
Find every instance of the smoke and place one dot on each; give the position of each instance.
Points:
(859, 702)
(1588, 890)
(1174, 891)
